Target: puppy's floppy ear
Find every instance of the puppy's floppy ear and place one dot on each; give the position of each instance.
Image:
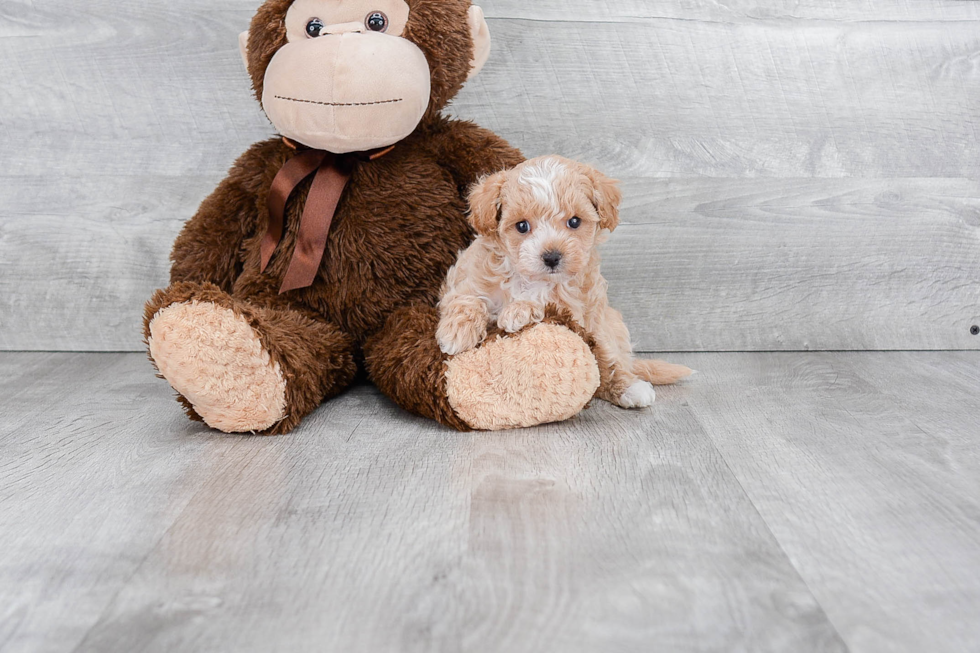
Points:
(606, 198)
(485, 204)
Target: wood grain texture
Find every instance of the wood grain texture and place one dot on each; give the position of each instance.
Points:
(738, 10)
(798, 264)
(865, 467)
(124, 527)
(117, 118)
(780, 502)
(89, 482)
(696, 265)
(781, 97)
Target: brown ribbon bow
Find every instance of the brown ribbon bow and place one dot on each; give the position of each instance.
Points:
(332, 174)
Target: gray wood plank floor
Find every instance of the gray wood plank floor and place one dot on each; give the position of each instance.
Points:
(780, 502)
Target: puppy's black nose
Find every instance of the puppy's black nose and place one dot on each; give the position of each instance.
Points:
(551, 258)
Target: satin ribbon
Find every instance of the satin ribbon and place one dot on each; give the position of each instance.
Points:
(332, 174)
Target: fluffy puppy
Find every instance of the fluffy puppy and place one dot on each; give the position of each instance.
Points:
(538, 226)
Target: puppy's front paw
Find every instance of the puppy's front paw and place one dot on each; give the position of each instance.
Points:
(639, 395)
(459, 332)
(518, 315)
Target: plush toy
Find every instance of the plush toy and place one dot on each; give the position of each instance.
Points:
(323, 252)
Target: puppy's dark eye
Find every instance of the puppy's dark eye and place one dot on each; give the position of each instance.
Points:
(575, 223)
(523, 227)
(313, 27)
(376, 21)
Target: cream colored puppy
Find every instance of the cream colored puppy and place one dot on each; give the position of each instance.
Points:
(538, 226)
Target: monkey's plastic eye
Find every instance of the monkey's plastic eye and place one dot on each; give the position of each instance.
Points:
(523, 227)
(575, 223)
(376, 21)
(313, 28)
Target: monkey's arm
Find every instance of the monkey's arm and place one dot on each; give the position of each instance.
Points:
(208, 248)
(470, 152)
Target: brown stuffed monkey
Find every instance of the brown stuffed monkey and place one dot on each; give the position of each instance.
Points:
(323, 252)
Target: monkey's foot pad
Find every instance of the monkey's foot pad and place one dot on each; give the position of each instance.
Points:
(214, 358)
(545, 374)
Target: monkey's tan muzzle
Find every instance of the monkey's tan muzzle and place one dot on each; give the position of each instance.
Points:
(347, 92)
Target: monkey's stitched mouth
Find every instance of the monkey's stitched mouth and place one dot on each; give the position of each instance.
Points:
(339, 104)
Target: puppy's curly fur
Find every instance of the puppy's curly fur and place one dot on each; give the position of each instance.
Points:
(538, 227)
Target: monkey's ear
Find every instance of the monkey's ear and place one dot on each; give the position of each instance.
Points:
(480, 32)
(243, 47)
(485, 206)
(606, 198)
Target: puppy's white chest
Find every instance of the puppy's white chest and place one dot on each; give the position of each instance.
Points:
(536, 292)
(517, 289)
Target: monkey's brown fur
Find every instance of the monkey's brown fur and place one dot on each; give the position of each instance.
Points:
(397, 230)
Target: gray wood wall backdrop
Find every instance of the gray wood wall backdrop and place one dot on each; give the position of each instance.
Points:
(799, 174)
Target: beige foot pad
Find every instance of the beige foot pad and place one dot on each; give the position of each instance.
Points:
(214, 359)
(545, 374)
